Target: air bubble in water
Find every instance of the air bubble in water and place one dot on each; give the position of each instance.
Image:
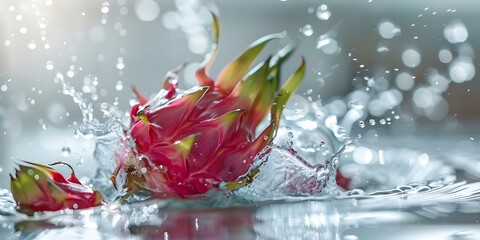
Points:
(371, 122)
(65, 151)
(7, 43)
(4, 88)
(307, 30)
(382, 121)
(361, 124)
(147, 10)
(323, 13)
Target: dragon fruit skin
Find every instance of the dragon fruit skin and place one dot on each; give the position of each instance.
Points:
(36, 187)
(186, 143)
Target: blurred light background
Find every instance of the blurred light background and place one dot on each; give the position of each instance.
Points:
(403, 62)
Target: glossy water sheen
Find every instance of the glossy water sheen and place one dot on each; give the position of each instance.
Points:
(406, 212)
(437, 209)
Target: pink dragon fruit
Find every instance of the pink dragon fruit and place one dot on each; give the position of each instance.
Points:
(182, 143)
(36, 187)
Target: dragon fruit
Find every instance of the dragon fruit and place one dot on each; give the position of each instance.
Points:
(182, 143)
(36, 187)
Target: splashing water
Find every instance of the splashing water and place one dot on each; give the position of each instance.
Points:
(293, 189)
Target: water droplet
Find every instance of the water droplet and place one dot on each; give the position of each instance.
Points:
(80, 162)
(323, 13)
(307, 30)
(70, 74)
(65, 151)
(405, 81)
(371, 122)
(425, 97)
(119, 85)
(123, 11)
(445, 56)
(120, 65)
(143, 170)
(75, 206)
(461, 70)
(382, 121)
(290, 134)
(147, 10)
(7, 43)
(352, 237)
(362, 155)
(49, 65)
(4, 88)
(455, 32)
(327, 45)
(97, 33)
(382, 49)
(411, 58)
(296, 108)
(361, 124)
(198, 43)
(388, 30)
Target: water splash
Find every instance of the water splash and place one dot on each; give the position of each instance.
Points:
(316, 131)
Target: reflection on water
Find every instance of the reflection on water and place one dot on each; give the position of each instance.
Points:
(398, 211)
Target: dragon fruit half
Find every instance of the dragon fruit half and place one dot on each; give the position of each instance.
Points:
(36, 187)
